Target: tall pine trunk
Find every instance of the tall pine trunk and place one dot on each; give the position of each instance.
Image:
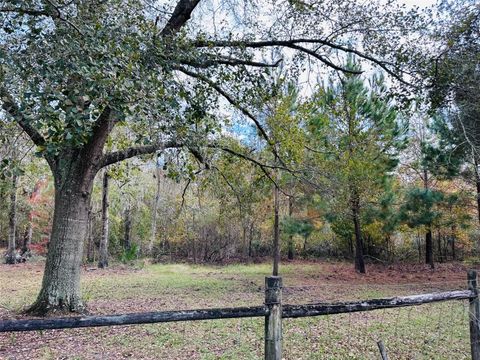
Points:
(11, 256)
(103, 249)
(359, 261)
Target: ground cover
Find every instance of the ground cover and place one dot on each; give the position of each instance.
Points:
(436, 331)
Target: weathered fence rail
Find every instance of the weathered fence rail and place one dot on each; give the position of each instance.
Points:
(132, 319)
(295, 311)
(273, 311)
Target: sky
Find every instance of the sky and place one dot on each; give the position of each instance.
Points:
(420, 3)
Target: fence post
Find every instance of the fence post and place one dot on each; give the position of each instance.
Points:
(273, 321)
(474, 315)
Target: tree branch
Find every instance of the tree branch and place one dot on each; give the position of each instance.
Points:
(56, 14)
(181, 14)
(227, 96)
(228, 61)
(9, 105)
(263, 167)
(292, 43)
(30, 12)
(117, 156)
(101, 130)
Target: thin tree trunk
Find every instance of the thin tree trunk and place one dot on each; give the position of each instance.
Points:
(26, 241)
(90, 242)
(291, 249)
(429, 248)
(359, 261)
(127, 241)
(428, 235)
(350, 246)
(454, 235)
(276, 231)
(250, 240)
(419, 246)
(32, 198)
(477, 185)
(103, 249)
(154, 213)
(11, 256)
(439, 246)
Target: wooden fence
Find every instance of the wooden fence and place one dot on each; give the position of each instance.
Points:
(273, 310)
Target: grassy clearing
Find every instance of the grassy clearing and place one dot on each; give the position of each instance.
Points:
(438, 331)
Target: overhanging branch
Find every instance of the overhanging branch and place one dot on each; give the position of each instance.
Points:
(227, 96)
(117, 156)
(56, 14)
(228, 61)
(293, 44)
(9, 105)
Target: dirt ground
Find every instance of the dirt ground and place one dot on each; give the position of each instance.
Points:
(145, 287)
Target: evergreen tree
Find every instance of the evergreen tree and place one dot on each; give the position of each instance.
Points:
(355, 136)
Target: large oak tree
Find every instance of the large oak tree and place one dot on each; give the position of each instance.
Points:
(137, 77)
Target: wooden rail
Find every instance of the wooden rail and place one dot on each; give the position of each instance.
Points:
(288, 311)
(130, 319)
(295, 311)
(273, 311)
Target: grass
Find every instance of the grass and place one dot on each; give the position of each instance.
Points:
(435, 331)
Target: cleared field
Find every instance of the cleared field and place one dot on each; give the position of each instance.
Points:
(436, 331)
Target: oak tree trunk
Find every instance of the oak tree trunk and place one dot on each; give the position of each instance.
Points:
(103, 249)
(61, 280)
(73, 178)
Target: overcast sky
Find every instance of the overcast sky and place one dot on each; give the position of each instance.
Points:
(420, 3)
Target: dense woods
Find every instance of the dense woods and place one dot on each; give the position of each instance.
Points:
(339, 130)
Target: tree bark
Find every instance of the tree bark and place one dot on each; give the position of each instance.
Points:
(103, 249)
(477, 185)
(454, 236)
(90, 242)
(61, 280)
(154, 213)
(276, 231)
(250, 240)
(429, 248)
(359, 261)
(291, 250)
(127, 241)
(428, 235)
(11, 256)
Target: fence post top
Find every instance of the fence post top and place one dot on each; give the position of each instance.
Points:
(273, 281)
